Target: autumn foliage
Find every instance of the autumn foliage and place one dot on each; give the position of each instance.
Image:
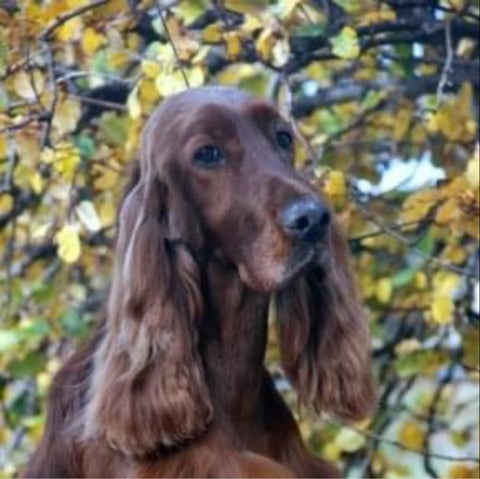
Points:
(384, 98)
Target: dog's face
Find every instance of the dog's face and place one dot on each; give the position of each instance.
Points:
(230, 164)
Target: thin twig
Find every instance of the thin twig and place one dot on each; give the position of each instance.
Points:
(448, 63)
(432, 412)
(53, 103)
(68, 16)
(96, 101)
(29, 119)
(376, 437)
(399, 237)
(172, 44)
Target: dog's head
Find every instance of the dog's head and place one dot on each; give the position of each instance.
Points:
(215, 177)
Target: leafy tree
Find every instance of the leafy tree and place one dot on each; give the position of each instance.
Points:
(384, 97)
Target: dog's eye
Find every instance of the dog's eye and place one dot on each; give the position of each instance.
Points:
(208, 156)
(284, 139)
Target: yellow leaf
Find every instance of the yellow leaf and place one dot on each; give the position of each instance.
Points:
(64, 159)
(66, 117)
(170, 82)
(455, 253)
(349, 440)
(288, 7)
(384, 290)
(402, 123)
(335, 185)
(432, 122)
(251, 23)
(464, 100)
(411, 435)
(407, 346)
(379, 15)
(69, 246)
(147, 91)
(70, 30)
(331, 451)
(457, 4)
(280, 52)
(421, 280)
(234, 44)
(195, 76)
(107, 213)
(40, 231)
(473, 169)
(6, 203)
(92, 41)
(189, 11)
(106, 179)
(27, 144)
(133, 105)
(3, 146)
(345, 45)
(448, 212)
(246, 6)
(117, 59)
(151, 69)
(446, 283)
(264, 43)
(465, 47)
(442, 309)
(212, 33)
(36, 182)
(462, 471)
(28, 85)
(87, 214)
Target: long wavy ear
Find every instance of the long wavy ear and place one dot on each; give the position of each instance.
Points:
(148, 386)
(324, 337)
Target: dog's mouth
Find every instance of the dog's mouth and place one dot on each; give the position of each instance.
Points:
(304, 257)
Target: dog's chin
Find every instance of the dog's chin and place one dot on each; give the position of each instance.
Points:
(281, 275)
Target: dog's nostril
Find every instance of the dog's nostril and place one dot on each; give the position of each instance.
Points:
(325, 219)
(305, 218)
(302, 223)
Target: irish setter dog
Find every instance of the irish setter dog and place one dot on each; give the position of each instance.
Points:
(215, 224)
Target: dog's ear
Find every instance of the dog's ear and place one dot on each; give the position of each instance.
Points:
(324, 337)
(148, 387)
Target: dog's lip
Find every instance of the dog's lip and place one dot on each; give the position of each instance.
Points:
(313, 255)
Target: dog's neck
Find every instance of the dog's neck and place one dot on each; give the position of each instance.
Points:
(233, 341)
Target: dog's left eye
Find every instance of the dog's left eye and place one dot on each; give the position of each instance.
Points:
(208, 156)
(284, 139)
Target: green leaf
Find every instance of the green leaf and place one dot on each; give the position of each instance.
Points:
(9, 339)
(246, 6)
(86, 146)
(38, 328)
(350, 6)
(404, 277)
(310, 30)
(420, 361)
(73, 324)
(427, 244)
(346, 45)
(29, 366)
(43, 292)
(113, 128)
(372, 99)
(3, 99)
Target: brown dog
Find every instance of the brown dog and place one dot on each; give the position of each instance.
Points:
(215, 222)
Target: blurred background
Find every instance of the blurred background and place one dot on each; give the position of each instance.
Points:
(384, 98)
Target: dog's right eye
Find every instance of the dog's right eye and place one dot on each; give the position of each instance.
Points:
(208, 156)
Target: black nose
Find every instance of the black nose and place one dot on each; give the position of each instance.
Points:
(305, 218)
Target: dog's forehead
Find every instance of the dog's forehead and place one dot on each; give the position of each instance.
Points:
(217, 99)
